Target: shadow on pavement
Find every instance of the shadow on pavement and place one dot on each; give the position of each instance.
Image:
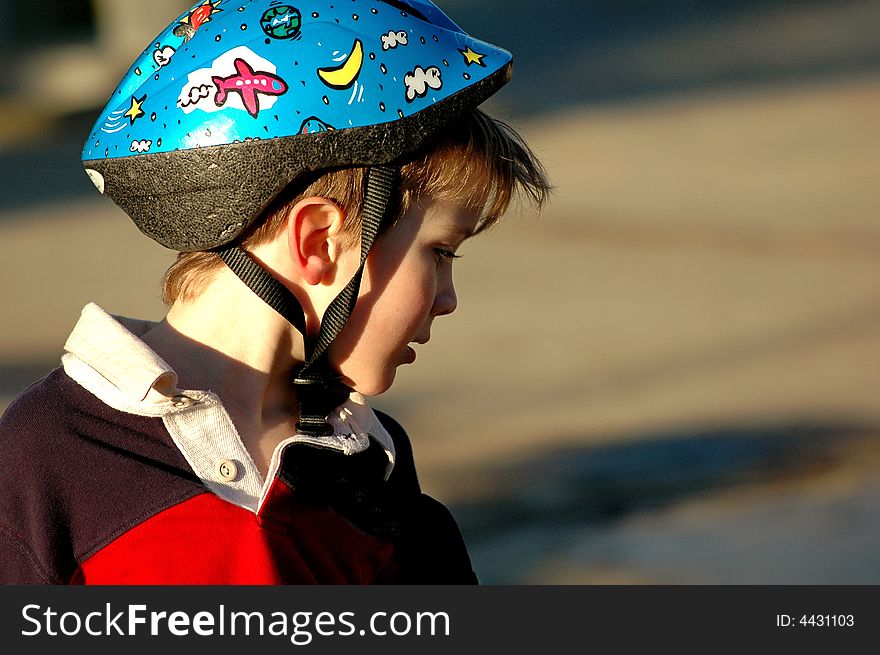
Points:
(46, 168)
(591, 508)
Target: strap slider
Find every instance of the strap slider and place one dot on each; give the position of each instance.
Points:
(317, 398)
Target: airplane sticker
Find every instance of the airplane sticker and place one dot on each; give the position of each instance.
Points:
(238, 79)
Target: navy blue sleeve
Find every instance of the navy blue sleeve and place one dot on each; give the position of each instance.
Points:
(18, 563)
(431, 550)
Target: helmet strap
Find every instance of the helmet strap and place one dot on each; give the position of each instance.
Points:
(267, 288)
(318, 387)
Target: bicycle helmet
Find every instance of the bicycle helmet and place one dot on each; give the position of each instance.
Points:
(237, 99)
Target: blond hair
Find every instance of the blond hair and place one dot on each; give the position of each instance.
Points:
(479, 162)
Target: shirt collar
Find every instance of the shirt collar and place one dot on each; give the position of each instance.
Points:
(110, 345)
(108, 349)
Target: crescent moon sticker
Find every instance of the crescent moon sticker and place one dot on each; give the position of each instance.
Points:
(343, 76)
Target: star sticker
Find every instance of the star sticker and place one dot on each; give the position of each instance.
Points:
(471, 57)
(134, 112)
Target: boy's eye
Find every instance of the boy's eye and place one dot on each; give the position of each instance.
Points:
(446, 255)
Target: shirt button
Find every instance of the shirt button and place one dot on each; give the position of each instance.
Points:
(182, 401)
(227, 470)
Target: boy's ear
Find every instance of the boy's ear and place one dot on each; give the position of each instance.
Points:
(312, 229)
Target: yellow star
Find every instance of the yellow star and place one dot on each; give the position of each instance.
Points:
(471, 57)
(134, 112)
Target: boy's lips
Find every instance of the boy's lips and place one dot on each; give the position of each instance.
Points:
(410, 351)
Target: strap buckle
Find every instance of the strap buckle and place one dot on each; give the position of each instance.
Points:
(317, 398)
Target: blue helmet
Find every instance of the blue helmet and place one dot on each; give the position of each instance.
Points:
(236, 99)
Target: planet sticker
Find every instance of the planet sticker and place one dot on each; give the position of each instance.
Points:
(282, 22)
(314, 125)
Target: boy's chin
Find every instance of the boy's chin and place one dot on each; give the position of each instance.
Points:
(374, 386)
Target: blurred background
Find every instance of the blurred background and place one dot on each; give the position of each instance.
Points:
(670, 376)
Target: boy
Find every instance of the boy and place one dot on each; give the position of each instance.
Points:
(318, 171)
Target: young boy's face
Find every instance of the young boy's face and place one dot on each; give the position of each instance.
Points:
(407, 283)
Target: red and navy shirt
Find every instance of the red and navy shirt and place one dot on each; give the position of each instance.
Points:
(109, 474)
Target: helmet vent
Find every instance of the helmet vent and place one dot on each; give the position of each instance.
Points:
(404, 7)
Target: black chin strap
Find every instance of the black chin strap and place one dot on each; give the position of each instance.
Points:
(318, 387)
(270, 290)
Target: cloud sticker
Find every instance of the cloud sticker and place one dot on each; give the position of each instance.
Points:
(163, 55)
(394, 39)
(140, 146)
(194, 94)
(420, 80)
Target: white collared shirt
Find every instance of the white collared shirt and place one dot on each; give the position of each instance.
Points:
(105, 355)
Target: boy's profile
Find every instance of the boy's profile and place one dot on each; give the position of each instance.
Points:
(318, 168)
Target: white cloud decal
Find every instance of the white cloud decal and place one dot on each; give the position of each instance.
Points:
(141, 146)
(163, 55)
(394, 39)
(420, 80)
(193, 95)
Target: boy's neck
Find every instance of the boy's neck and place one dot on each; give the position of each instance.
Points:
(230, 342)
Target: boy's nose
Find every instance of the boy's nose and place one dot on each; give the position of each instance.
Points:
(445, 301)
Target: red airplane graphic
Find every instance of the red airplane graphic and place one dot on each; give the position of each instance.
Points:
(248, 83)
